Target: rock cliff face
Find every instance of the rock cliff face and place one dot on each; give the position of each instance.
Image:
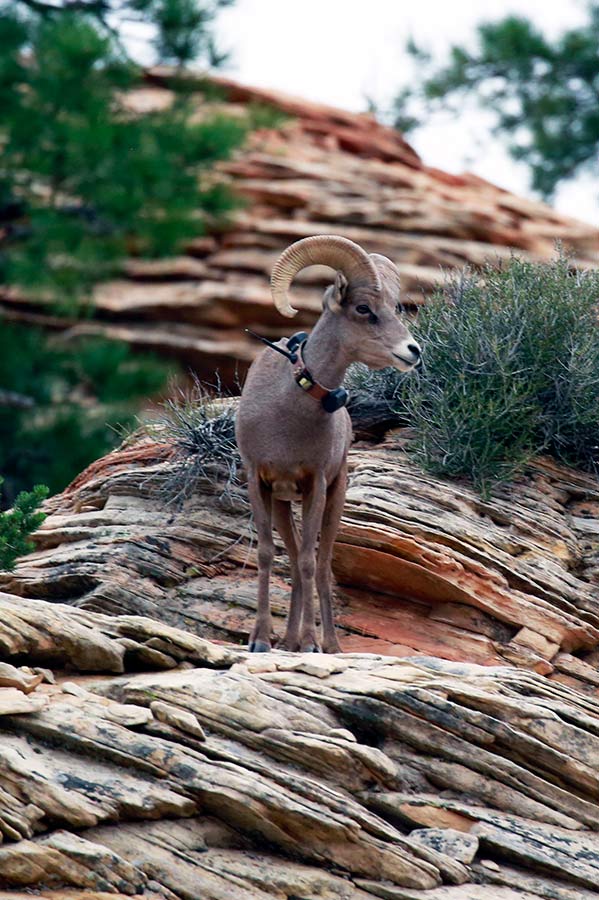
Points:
(337, 777)
(323, 170)
(450, 753)
(423, 565)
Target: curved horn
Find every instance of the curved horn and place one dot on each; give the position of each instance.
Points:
(324, 250)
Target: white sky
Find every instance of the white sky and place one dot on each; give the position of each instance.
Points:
(341, 51)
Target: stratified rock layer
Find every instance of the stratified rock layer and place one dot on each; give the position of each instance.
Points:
(292, 775)
(456, 761)
(323, 170)
(423, 565)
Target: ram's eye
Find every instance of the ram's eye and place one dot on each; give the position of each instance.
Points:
(399, 309)
(363, 309)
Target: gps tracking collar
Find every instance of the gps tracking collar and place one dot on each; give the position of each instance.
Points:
(330, 401)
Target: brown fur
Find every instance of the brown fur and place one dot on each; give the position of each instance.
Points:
(293, 449)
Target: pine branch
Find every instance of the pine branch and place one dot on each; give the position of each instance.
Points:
(96, 7)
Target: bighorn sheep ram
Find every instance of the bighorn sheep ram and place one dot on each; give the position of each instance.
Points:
(294, 432)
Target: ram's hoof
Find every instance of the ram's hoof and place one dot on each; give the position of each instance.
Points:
(310, 647)
(259, 647)
(289, 642)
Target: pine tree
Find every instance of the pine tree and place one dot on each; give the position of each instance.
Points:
(85, 181)
(17, 525)
(544, 93)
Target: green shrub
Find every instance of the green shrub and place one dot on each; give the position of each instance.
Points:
(18, 523)
(200, 425)
(511, 369)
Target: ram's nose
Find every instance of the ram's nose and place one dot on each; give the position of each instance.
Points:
(408, 352)
(415, 350)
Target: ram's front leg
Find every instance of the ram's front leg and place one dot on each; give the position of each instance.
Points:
(313, 509)
(261, 502)
(333, 511)
(283, 519)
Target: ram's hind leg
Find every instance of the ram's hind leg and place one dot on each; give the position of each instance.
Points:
(283, 519)
(261, 501)
(330, 524)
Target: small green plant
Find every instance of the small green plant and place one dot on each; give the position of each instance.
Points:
(17, 524)
(511, 370)
(200, 425)
(374, 391)
(265, 115)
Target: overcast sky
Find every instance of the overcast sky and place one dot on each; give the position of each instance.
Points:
(342, 51)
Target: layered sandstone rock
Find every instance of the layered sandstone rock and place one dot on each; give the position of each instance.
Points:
(354, 776)
(423, 565)
(322, 170)
(450, 753)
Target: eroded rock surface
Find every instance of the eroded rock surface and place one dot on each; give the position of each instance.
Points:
(301, 778)
(423, 565)
(321, 171)
(144, 752)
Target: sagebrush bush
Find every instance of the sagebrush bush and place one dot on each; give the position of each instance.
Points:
(373, 397)
(511, 369)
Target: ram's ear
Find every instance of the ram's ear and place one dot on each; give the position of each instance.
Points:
(335, 295)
